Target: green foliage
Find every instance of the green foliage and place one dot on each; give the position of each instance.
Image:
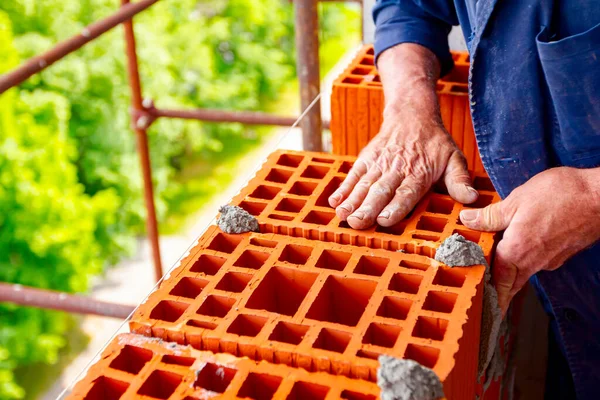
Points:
(70, 189)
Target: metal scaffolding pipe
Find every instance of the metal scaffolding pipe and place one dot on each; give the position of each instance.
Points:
(142, 143)
(41, 62)
(210, 115)
(307, 62)
(51, 300)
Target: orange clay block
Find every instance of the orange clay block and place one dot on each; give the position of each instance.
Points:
(321, 306)
(136, 367)
(358, 103)
(289, 196)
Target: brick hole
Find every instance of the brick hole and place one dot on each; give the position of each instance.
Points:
(323, 160)
(405, 283)
(282, 290)
(259, 386)
(279, 175)
(394, 307)
(483, 201)
(290, 205)
(371, 51)
(265, 192)
(234, 282)
(290, 160)
(368, 60)
(342, 300)
(131, 359)
(460, 89)
(473, 236)
(396, 229)
(424, 355)
(431, 224)
(160, 384)
(286, 332)
(315, 172)
(360, 71)
(214, 378)
(373, 355)
(251, 259)
(303, 188)
(225, 243)
(377, 78)
(247, 325)
(106, 389)
(349, 395)
(440, 189)
(295, 254)
(439, 87)
(421, 236)
(201, 324)
(483, 183)
(263, 243)
(253, 207)
(319, 217)
(381, 335)
(440, 205)
(332, 340)
(430, 328)
(208, 265)
(189, 287)
(345, 167)
(414, 265)
(177, 360)
(374, 266)
(281, 217)
(332, 259)
(168, 310)
(353, 79)
(452, 277)
(440, 301)
(307, 390)
(344, 224)
(323, 200)
(216, 306)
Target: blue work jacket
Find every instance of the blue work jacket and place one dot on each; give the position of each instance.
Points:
(534, 89)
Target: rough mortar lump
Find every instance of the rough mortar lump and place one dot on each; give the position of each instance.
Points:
(234, 219)
(407, 380)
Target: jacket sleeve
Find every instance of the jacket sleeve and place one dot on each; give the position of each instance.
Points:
(424, 22)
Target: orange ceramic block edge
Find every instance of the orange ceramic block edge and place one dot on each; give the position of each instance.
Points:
(137, 367)
(289, 196)
(321, 306)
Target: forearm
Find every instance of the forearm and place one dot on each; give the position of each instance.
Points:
(591, 178)
(409, 73)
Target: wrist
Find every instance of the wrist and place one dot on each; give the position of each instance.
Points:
(591, 179)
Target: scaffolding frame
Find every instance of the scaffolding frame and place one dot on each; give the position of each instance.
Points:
(144, 113)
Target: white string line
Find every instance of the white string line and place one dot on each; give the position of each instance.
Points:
(96, 356)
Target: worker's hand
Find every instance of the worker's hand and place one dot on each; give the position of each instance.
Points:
(550, 218)
(412, 150)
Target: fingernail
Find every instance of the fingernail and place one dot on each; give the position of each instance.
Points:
(359, 214)
(474, 192)
(468, 215)
(336, 197)
(384, 214)
(346, 207)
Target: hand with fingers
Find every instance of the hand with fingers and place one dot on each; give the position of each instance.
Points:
(411, 152)
(547, 220)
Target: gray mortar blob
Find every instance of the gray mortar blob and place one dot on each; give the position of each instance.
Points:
(234, 219)
(407, 380)
(456, 251)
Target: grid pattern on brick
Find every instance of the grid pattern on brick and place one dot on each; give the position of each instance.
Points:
(289, 196)
(139, 367)
(314, 305)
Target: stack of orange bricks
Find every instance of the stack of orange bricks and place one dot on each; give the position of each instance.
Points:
(303, 309)
(357, 104)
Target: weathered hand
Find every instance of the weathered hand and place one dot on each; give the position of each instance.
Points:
(397, 168)
(547, 220)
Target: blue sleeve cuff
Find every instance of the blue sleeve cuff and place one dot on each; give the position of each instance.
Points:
(407, 23)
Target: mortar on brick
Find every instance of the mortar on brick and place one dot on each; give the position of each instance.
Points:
(458, 251)
(234, 219)
(407, 380)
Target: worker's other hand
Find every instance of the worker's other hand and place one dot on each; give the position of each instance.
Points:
(397, 168)
(548, 219)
